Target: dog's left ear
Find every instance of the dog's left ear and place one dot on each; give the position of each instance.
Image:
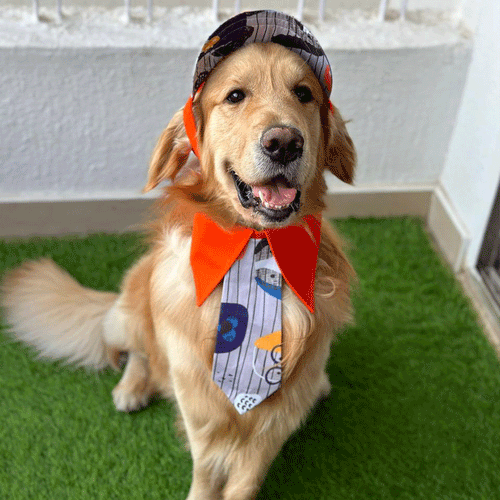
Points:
(170, 153)
(340, 155)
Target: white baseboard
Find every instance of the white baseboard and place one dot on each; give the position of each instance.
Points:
(380, 201)
(53, 218)
(56, 218)
(447, 230)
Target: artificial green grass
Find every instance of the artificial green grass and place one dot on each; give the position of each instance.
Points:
(414, 411)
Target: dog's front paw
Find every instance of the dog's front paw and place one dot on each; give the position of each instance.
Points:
(127, 400)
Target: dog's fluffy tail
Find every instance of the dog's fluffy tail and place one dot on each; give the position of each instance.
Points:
(46, 308)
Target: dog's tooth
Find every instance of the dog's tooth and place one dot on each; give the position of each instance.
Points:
(272, 206)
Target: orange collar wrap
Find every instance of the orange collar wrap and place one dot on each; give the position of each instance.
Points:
(295, 248)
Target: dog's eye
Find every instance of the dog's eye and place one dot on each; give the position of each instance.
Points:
(235, 96)
(304, 94)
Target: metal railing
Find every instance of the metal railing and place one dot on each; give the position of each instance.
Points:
(382, 11)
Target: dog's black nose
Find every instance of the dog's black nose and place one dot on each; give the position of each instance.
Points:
(282, 144)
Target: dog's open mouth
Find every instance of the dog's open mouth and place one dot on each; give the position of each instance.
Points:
(276, 199)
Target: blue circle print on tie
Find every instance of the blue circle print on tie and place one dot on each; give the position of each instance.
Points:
(233, 321)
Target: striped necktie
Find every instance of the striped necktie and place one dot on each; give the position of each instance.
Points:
(247, 357)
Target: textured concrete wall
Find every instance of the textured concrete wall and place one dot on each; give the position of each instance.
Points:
(81, 123)
(402, 104)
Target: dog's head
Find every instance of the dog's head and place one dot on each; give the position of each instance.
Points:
(265, 135)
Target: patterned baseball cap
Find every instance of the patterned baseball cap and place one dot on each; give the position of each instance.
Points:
(254, 27)
(263, 26)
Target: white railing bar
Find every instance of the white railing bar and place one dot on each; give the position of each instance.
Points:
(36, 11)
(382, 10)
(150, 11)
(300, 9)
(321, 11)
(215, 10)
(127, 11)
(404, 7)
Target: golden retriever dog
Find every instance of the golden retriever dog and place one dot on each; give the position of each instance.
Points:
(155, 319)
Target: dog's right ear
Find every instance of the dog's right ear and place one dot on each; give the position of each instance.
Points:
(170, 153)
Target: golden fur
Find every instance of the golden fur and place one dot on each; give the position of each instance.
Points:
(169, 340)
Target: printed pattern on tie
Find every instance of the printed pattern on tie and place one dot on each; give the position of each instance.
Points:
(247, 357)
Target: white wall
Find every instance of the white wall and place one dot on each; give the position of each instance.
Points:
(472, 170)
(81, 123)
(403, 105)
(469, 11)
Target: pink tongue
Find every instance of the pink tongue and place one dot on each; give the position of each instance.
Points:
(278, 194)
